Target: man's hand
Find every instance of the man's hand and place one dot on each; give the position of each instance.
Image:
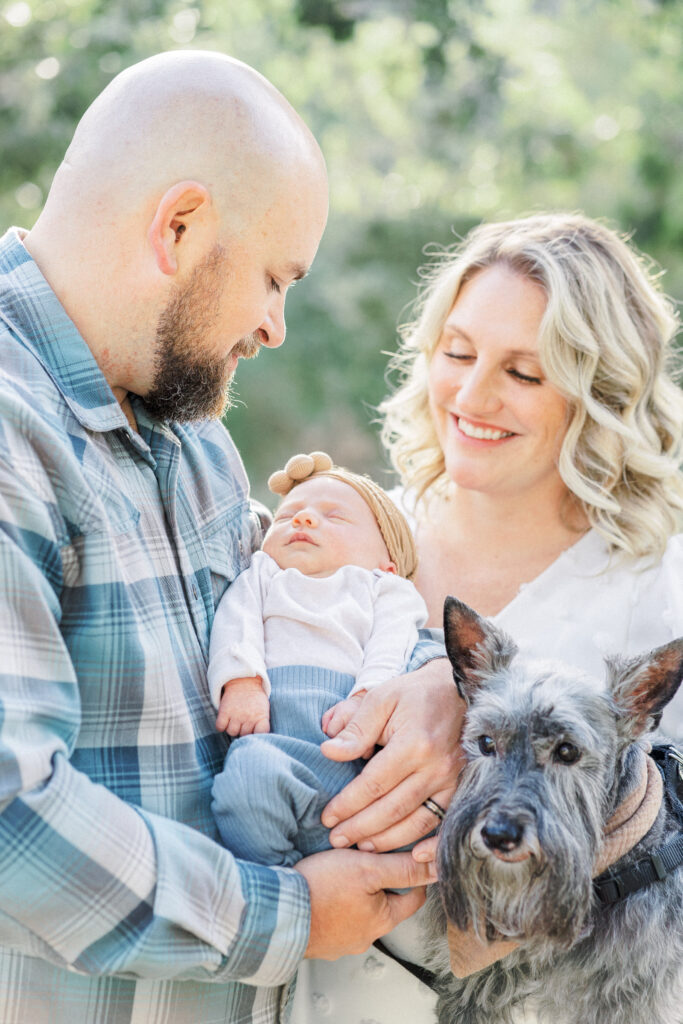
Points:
(349, 905)
(417, 718)
(244, 707)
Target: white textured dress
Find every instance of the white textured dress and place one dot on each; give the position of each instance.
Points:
(578, 610)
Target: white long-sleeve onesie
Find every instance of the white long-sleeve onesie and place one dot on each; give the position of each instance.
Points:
(359, 621)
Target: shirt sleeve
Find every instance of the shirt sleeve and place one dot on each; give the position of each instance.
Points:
(399, 612)
(430, 646)
(237, 646)
(88, 881)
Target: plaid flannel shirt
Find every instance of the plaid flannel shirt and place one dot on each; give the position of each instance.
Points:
(117, 904)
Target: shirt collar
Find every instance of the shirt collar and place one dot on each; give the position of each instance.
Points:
(35, 316)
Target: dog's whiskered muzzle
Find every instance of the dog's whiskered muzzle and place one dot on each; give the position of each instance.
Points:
(502, 834)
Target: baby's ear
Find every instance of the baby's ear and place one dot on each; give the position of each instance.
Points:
(388, 567)
(476, 648)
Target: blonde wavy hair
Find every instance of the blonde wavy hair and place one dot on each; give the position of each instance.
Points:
(605, 343)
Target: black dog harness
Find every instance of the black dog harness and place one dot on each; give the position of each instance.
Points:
(612, 886)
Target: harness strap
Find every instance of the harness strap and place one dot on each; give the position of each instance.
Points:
(653, 868)
(611, 887)
(427, 978)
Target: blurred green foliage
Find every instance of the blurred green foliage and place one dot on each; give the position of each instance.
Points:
(433, 115)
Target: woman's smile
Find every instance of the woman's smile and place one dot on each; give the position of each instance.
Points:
(480, 431)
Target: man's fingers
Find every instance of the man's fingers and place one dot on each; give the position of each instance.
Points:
(398, 871)
(426, 850)
(402, 905)
(351, 899)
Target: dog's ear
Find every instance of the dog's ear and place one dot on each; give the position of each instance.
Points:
(476, 648)
(644, 685)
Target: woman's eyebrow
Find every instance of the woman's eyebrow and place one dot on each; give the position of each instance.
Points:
(450, 328)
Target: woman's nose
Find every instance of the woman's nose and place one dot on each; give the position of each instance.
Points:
(478, 393)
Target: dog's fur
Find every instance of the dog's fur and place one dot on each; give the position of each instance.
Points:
(518, 843)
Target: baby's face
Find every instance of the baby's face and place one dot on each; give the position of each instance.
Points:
(322, 525)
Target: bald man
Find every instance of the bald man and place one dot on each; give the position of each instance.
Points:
(190, 200)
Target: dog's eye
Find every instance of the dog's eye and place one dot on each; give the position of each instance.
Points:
(487, 746)
(567, 753)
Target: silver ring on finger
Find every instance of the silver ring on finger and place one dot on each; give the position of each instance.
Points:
(435, 808)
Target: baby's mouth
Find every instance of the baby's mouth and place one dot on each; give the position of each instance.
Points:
(300, 538)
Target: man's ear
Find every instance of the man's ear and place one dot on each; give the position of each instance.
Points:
(183, 213)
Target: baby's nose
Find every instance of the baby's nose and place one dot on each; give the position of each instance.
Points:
(305, 517)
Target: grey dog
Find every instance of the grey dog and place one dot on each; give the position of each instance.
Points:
(549, 756)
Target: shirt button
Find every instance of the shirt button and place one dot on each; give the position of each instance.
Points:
(195, 592)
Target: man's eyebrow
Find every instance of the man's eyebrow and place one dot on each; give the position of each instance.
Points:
(296, 271)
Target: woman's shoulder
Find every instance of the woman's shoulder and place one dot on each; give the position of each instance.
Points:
(661, 581)
(673, 556)
(592, 555)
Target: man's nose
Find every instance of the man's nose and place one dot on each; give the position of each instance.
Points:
(273, 328)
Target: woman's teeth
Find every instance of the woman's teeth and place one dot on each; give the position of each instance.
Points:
(482, 433)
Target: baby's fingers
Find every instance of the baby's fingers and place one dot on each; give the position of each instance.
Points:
(337, 717)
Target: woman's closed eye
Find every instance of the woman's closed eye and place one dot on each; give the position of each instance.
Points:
(462, 357)
(524, 377)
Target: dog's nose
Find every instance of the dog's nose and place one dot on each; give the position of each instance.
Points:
(501, 833)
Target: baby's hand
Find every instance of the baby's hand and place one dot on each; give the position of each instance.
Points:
(337, 717)
(244, 707)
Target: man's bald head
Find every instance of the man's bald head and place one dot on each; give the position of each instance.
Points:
(191, 197)
(194, 115)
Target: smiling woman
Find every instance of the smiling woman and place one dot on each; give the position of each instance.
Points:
(537, 434)
(499, 422)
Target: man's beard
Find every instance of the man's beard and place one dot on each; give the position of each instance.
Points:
(189, 384)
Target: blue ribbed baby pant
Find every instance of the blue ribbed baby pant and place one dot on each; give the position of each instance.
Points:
(268, 799)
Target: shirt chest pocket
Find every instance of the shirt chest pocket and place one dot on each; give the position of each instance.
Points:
(228, 540)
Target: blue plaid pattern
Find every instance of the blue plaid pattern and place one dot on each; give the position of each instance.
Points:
(117, 904)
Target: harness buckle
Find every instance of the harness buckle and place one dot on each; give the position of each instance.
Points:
(658, 865)
(676, 755)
